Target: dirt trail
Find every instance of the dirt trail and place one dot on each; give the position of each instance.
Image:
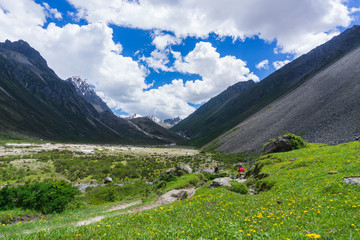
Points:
(114, 208)
(169, 197)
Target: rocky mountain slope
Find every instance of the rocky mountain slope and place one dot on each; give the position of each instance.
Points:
(262, 94)
(154, 129)
(34, 101)
(324, 109)
(86, 91)
(212, 117)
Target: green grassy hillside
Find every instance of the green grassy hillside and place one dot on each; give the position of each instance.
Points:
(305, 202)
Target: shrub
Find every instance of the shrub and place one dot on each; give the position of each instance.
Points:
(113, 193)
(187, 180)
(238, 187)
(296, 141)
(44, 197)
(264, 185)
(210, 176)
(163, 179)
(167, 177)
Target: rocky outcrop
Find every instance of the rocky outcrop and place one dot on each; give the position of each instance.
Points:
(182, 169)
(221, 182)
(281, 144)
(175, 195)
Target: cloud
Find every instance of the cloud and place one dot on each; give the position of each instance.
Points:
(159, 58)
(263, 64)
(162, 41)
(170, 100)
(52, 12)
(89, 50)
(217, 72)
(279, 64)
(298, 26)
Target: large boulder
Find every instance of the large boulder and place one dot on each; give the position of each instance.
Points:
(108, 180)
(284, 143)
(170, 170)
(183, 169)
(173, 195)
(221, 182)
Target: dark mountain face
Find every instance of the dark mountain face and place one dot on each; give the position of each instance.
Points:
(172, 121)
(260, 95)
(34, 101)
(202, 123)
(155, 130)
(325, 109)
(88, 93)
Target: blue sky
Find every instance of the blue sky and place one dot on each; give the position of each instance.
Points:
(165, 57)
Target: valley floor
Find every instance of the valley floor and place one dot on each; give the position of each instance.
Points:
(304, 196)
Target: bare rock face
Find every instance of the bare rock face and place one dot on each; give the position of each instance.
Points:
(221, 182)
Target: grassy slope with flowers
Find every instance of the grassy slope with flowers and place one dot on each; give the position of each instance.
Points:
(305, 202)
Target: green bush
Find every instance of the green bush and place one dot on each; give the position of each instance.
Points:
(167, 177)
(44, 197)
(184, 181)
(238, 187)
(163, 179)
(264, 185)
(211, 176)
(296, 141)
(112, 193)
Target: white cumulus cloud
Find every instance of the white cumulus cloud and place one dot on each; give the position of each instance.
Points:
(89, 50)
(279, 64)
(52, 12)
(216, 74)
(298, 26)
(263, 64)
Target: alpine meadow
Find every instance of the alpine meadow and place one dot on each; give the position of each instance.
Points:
(155, 119)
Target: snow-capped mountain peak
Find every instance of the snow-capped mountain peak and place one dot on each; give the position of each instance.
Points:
(85, 90)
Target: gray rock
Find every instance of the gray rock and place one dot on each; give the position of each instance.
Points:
(240, 180)
(281, 144)
(170, 170)
(175, 195)
(108, 179)
(185, 168)
(352, 180)
(221, 182)
(206, 170)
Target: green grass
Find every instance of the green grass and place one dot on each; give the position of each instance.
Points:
(304, 200)
(188, 180)
(79, 167)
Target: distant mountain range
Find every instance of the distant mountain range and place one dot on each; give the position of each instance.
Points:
(317, 96)
(167, 123)
(34, 101)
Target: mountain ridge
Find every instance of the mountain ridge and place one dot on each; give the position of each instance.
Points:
(38, 103)
(269, 89)
(325, 109)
